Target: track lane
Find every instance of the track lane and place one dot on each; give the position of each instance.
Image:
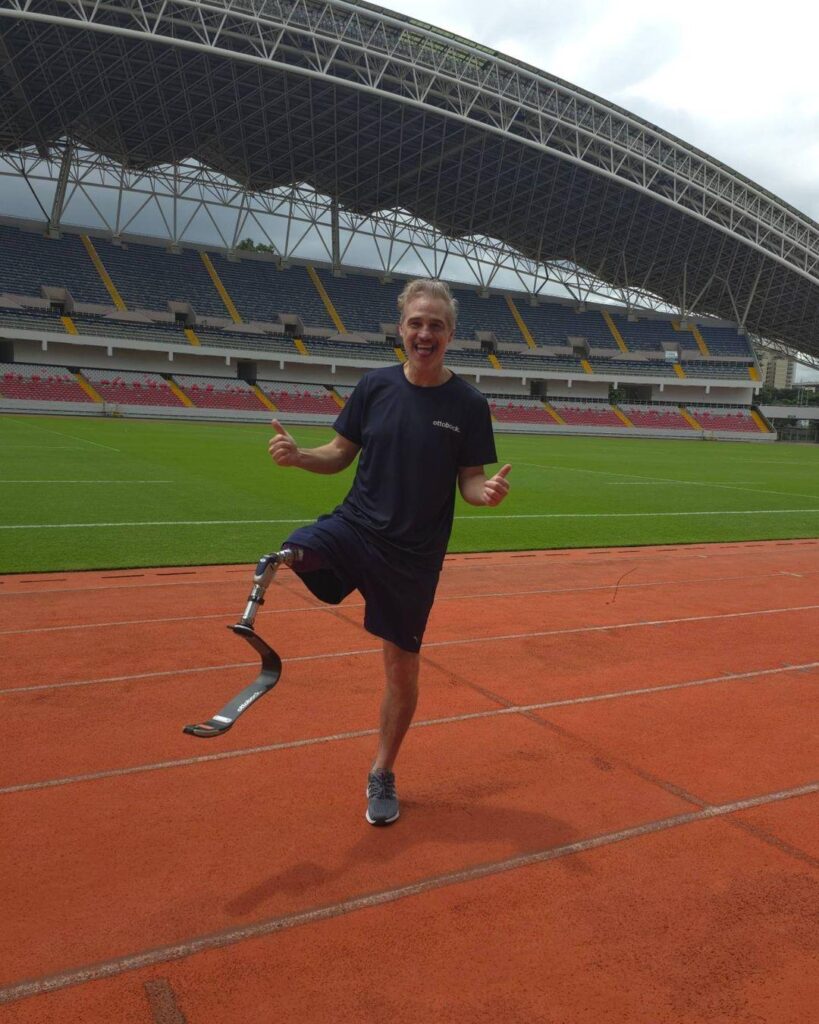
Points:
(114, 645)
(720, 742)
(513, 937)
(219, 844)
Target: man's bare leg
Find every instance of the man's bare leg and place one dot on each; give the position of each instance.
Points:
(398, 705)
(397, 709)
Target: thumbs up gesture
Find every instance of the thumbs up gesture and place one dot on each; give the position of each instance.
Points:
(497, 487)
(282, 447)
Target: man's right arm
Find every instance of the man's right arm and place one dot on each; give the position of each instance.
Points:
(332, 457)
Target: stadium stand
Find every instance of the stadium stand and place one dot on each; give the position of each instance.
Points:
(738, 421)
(22, 382)
(155, 332)
(362, 301)
(263, 343)
(261, 291)
(29, 260)
(329, 349)
(129, 387)
(587, 414)
(647, 417)
(27, 319)
(651, 335)
(538, 362)
(219, 393)
(552, 323)
(300, 398)
(247, 307)
(725, 341)
(476, 313)
(468, 357)
(148, 277)
(707, 368)
(520, 410)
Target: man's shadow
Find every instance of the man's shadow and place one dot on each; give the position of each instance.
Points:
(438, 820)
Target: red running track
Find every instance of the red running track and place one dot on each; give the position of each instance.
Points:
(609, 798)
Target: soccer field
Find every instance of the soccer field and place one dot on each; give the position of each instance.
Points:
(81, 493)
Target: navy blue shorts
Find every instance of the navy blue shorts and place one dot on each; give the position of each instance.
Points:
(397, 594)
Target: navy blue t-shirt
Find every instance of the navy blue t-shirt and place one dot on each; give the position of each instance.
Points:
(413, 442)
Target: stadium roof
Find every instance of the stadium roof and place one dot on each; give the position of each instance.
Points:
(381, 112)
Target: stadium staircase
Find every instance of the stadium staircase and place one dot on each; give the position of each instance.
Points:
(521, 323)
(222, 292)
(325, 298)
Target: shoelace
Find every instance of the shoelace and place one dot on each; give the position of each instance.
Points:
(381, 786)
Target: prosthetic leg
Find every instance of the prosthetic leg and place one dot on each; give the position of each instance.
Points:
(271, 662)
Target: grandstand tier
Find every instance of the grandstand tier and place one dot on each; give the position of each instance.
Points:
(142, 302)
(127, 387)
(149, 277)
(40, 384)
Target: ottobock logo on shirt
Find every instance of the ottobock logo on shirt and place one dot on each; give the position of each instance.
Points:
(446, 426)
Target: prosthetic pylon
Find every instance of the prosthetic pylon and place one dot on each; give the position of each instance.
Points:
(271, 662)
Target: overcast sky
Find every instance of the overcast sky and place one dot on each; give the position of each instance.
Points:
(736, 79)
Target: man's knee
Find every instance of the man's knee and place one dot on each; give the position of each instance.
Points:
(401, 665)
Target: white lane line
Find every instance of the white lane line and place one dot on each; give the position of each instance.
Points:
(574, 630)
(560, 591)
(268, 748)
(462, 561)
(175, 618)
(480, 517)
(234, 936)
(671, 480)
(621, 625)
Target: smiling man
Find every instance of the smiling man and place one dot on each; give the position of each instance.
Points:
(420, 431)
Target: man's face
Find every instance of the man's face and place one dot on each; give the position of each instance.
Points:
(426, 330)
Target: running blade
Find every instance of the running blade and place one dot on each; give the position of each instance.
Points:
(271, 671)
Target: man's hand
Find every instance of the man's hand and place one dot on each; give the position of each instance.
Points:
(283, 449)
(497, 487)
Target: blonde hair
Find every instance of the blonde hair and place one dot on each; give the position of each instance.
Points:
(433, 289)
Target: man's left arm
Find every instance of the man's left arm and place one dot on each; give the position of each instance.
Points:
(478, 489)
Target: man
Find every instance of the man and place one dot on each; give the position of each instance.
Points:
(419, 429)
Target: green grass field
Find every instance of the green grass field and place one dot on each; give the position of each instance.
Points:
(108, 493)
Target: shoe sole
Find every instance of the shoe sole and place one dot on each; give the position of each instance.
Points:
(386, 821)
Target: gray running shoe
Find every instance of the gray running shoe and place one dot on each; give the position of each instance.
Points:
(382, 803)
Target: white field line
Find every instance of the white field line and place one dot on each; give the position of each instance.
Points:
(652, 483)
(89, 481)
(671, 480)
(234, 936)
(73, 437)
(633, 515)
(540, 591)
(153, 522)
(729, 677)
(569, 631)
(482, 517)
(776, 462)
